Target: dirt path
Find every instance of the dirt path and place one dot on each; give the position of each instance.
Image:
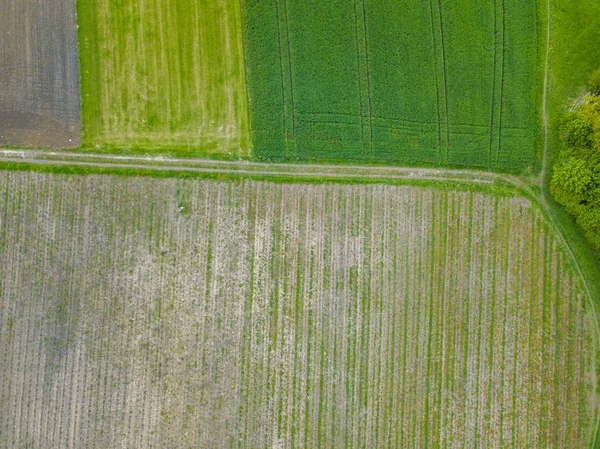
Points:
(545, 106)
(247, 167)
(542, 197)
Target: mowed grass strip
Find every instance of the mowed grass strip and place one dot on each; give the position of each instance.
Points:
(163, 75)
(416, 82)
(144, 312)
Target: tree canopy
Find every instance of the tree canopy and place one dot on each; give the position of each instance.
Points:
(575, 180)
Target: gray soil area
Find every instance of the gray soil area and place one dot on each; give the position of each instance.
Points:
(39, 75)
(161, 313)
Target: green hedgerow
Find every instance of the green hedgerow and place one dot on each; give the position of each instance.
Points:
(578, 132)
(575, 180)
(593, 83)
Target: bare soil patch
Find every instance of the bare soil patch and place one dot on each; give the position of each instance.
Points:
(141, 312)
(39, 75)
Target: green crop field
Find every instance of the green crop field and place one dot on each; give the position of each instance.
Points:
(410, 82)
(163, 75)
(155, 313)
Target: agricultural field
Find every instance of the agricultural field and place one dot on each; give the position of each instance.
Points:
(146, 312)
(407, 82)
(163, 75)
(39, 75)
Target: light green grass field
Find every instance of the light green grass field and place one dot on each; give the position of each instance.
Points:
(407, 82)
(163, 75)
(574, 54)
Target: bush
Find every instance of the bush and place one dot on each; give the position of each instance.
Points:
(589, 220)
(576, 177)
(590, 112)
(578, 133)
(571, 180)
(594, 82)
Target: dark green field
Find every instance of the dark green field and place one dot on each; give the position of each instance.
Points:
(425, 83)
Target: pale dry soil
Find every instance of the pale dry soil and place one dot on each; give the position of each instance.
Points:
(140, 312)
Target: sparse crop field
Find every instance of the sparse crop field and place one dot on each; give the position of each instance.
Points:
(163, 75)
(411, 82)
(39, 76)
(142, 312)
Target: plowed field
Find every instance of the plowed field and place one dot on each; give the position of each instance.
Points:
(160, 313)
(39, 75)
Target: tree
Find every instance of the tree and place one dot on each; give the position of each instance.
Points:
(578, 132)
(571, 181)
(575, 179)
(594, 82)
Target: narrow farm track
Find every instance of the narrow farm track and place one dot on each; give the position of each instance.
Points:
(285, 315)
(543, 181)
(246, 167)
(545, 129)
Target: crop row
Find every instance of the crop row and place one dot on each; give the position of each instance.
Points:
(163, 313)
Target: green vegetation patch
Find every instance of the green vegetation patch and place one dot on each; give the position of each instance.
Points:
(418, 83)
(576, 176)
(163, 75)
(571, 155)
(574, 55)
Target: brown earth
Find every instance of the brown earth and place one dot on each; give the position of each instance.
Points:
(39, 75)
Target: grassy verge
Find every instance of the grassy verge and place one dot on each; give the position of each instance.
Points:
(574, 54)
(499, 187)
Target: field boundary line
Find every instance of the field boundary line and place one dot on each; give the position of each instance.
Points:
(437, 87)
(247, 168)
(165, 163)
(445, 78)
(366, 42)
(362, 132)
(283, 105)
